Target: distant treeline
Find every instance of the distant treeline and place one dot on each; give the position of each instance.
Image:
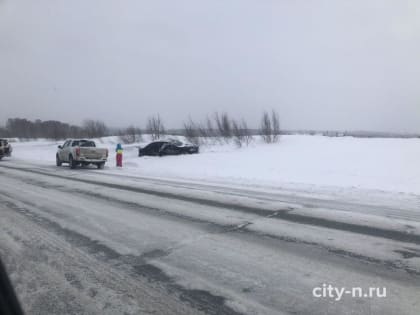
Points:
(219, 127)
(52, 129)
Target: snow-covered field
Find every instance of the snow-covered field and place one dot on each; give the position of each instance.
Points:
(295, 162)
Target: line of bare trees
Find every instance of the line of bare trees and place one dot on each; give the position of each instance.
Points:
(52, 129)
(221, 127)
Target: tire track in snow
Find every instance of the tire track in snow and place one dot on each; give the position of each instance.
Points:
(285, 214)
(156, 278)
(236, 230)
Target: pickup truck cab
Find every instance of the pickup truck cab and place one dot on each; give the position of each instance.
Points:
(81, 152)
(5, 148)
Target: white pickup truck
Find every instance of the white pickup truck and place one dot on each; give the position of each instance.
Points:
(81, 152)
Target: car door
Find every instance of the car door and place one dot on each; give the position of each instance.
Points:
(154, 148)
(147, 149)
(60, 151)
(169, 149)
(64, 152)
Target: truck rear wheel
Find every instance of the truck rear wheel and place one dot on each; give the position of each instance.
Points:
(100, 165)
(72, 163)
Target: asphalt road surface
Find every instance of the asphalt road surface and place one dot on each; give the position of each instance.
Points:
(87, 242)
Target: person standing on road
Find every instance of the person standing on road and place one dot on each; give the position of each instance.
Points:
(119, 151)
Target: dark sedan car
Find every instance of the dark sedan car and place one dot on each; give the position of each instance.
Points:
(160, 148)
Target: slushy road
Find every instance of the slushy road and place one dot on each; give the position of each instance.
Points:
(87, 242)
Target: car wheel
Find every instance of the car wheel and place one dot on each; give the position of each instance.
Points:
(100, 165)
(72, 163)
(57, 160)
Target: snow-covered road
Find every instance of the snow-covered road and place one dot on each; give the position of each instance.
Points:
(91, 242)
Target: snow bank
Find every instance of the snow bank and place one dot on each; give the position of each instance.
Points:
(379, 164)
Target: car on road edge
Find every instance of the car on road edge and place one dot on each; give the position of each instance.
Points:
(5, 148)
(81, 152)
(168, 147)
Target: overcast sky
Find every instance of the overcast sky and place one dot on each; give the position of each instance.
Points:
(333, 64)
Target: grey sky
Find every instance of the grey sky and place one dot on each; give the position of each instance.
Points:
(336, 64)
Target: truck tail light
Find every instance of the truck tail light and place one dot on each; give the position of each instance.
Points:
(77, 151)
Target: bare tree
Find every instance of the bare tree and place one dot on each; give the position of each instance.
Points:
(101, 129)
(265, 128)
(275, 121)
(199, 132)
(270, 127)
(246, 133)
(219, 126)
(227, 127)
(94, 128)
(208, 132)
(155, 127)
(202, 130)
(210, 128)
(237, 133)
(241, 133)
(223, 124)
(191, 131)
